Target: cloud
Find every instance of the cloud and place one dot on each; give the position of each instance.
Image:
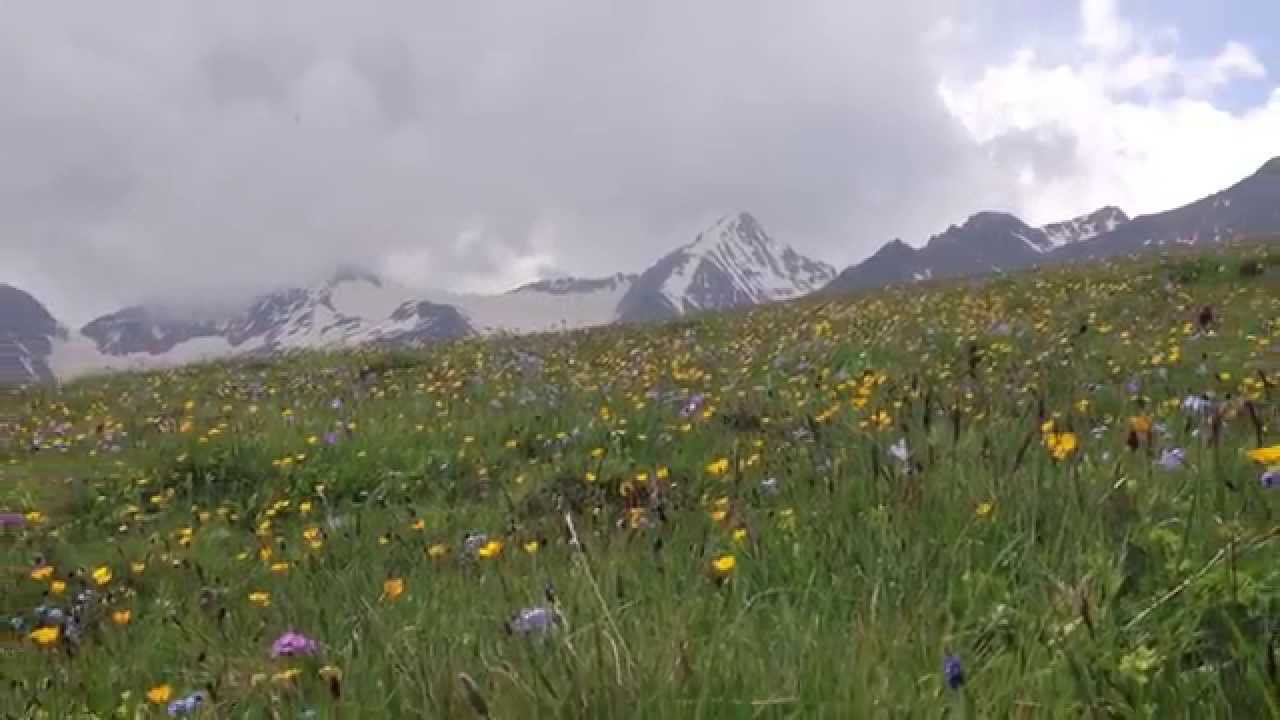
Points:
(1126, 120)
(166, 149)
(198, 150)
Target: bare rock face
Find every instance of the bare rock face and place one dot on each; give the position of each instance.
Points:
(27, 334)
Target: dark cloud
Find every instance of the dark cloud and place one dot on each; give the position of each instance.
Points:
(173, 149)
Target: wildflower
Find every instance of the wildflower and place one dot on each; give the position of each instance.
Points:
(1140, 424)
(490, 550)
(1196, 405)
(57, 587)
(899, 450)
(393, 588)
(46, 636)
(35, 517)
(260, 598)
(531, 547)
(718, 467)
(12, 520)
(472, 543)
(102, 575)
(122, 617)
(1266, 456)
(293, 643)
(160, 694)
(722, 567)
(44, 572)
(740, 535)
(1271, 478)
(279, 568)
(1061, 444)
(286, 676)
(187, 705)
(437, 551)
(953, 672)
(1172, 458)
(534, 620)
(984, 510)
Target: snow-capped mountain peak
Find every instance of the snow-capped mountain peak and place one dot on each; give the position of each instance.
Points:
(1085, 227)
(733, 263)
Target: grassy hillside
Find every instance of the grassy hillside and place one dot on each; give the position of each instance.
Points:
(1031, 498)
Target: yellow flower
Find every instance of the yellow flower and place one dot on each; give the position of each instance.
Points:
(280, 568)
(286, 676)
(1141, 424)
(393, 588)
(418, 524)
(160, 694)
(984, 510)
(723, 566)
(35, 517)
(304, 508)
(437, 551)
(102, 575)
(45, 636)
(44, 572)
(57, 587)
(740, 535)
(121, 617)
(260, 598)
(1061, 444)
(531, 547)
(718, 467)
(1266, 456)
(491, 550)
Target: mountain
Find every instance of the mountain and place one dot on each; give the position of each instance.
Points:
(1251, 207)
(986, 242)
(27, 336)
(353, 307)
(569, 285)
(733, 263)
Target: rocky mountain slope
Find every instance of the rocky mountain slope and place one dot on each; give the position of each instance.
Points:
(27, 335)
(986, 242)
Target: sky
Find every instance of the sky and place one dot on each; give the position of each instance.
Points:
(189, 153)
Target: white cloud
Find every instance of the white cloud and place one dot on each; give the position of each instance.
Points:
(1119, 124)
(1102, 28)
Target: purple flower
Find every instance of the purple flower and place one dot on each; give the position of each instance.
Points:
(293, 643)
(12, 520)
(953, 672)
(1270, 479)
(331, 438)
(533, 621)
(899, 450)
(1172, 458)
(693, 406)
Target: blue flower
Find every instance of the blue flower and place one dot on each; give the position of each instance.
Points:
(1271, 478)
(953, 672)
(1172, 458)
(187, 705)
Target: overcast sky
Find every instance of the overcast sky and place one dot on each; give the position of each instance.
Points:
(199, 150)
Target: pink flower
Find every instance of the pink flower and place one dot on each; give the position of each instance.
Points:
(293, 643)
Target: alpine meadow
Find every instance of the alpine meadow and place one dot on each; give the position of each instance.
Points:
(1046, 494)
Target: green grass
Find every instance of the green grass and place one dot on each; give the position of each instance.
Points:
(1098, 584)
